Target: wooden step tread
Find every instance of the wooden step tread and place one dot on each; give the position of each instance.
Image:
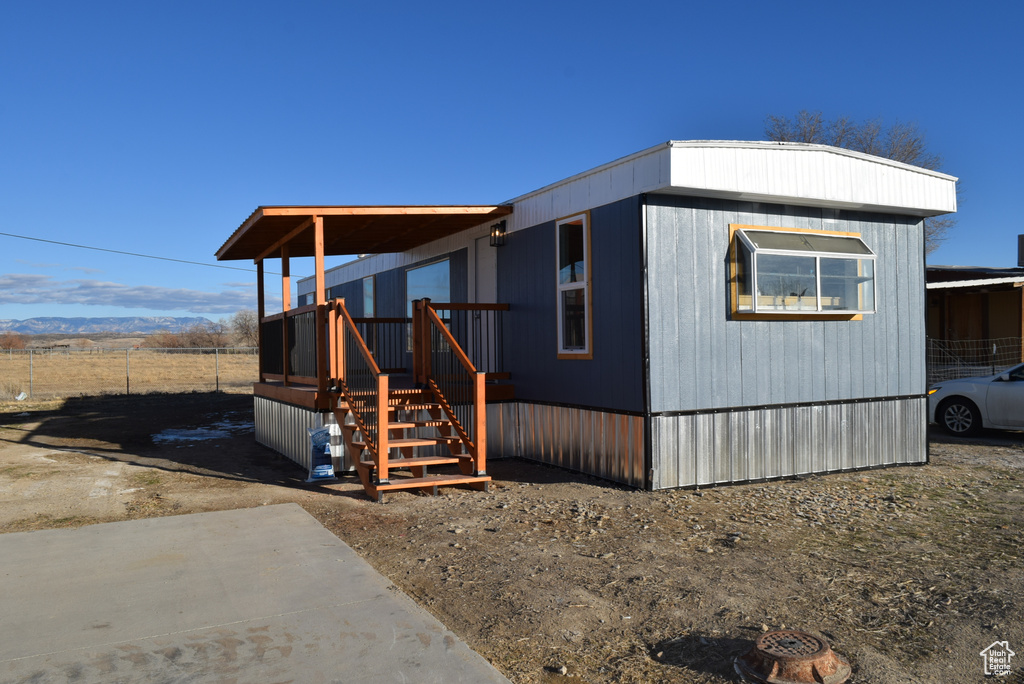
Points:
(413, 407)
(431, 481)
(405, 424)
(415, 461)
(411, 441)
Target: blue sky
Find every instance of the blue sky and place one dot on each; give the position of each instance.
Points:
(157, 128)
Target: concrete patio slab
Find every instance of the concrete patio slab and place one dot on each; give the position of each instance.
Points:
(256, 595)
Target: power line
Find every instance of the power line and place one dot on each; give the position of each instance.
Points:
(134, 254)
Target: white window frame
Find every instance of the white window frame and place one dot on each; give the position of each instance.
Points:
(744, 241)
(585, 285)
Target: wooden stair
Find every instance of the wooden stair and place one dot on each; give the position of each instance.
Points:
(405, 407)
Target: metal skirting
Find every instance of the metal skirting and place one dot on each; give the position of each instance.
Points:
(285, 429)
(756, 444)
(599, 443)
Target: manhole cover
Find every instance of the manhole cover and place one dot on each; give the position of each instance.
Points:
(791, 657)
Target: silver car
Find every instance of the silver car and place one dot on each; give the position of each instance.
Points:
(966, 405)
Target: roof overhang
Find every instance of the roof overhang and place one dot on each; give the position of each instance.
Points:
(350, 229)
(982, 282)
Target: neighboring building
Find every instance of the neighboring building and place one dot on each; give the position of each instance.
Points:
(696, 313)
(975, 322)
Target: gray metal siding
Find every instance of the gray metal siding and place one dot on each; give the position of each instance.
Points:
(700, 359)
(526, 280)
(353, 294)
(734, 446)
(600, 443)
(284, 428)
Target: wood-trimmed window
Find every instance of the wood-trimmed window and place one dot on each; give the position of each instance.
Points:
(573, 280)
(789, 272)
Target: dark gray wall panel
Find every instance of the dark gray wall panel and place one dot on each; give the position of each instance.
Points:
(701, 359)
(526, 280)
(353, 294)
(391, 293)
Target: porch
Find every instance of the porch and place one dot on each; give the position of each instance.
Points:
(409, 394)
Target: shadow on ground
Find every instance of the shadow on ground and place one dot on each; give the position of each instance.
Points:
(698, 653)
(127, 429)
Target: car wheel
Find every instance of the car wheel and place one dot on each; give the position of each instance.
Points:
(960, 417)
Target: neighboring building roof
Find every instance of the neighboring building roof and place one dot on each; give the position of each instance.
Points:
(945, 277)
(982, 282)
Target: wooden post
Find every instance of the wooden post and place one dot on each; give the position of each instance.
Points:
(322, 344)
(382, 429)
(261, 311)
(480, 421)
(339, 349)
(417, 344)
(286, 297)
(425, 342)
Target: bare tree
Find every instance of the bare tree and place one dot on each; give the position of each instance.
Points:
(163, 339)
(246, 328)
(902, 142)
(12, 340)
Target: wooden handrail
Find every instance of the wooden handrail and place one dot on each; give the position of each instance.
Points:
(470, 307)
(371, 319)
(361, 344)
(455, 347)
(289, 313)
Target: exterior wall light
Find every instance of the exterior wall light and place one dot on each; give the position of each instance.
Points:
(498, 234)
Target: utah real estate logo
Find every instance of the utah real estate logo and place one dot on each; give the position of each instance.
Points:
(997, 659)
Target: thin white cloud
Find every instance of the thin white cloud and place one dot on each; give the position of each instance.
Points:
(24, 288)
(37, 265)
(62, 267)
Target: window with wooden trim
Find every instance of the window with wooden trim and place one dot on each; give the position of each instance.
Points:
(780, 271)
(572, 257)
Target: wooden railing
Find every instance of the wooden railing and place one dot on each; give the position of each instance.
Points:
(456, 383)
(289, 350)
(479, 331)
(388, 341)
(362, 384)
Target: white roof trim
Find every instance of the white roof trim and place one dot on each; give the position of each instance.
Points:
(972, 283)
(800, 174)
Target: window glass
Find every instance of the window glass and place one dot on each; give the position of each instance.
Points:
(368, 298)
(787, 282)
(847, 284)
(744, 269)
(806, 242)
(574, 319)
(430, 281)
(571, 256)
(801, 272)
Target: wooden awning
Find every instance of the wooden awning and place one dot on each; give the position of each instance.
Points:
(350, 230)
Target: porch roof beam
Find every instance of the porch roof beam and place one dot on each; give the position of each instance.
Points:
(352, 229)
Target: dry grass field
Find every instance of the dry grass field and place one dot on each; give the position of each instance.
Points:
(72, 373)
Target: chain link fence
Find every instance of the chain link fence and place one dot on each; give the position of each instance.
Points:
(60, 373)
(950, 359)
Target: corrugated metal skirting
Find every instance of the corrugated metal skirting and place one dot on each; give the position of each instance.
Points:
(284, 428)
(735, 446)
(607, 445)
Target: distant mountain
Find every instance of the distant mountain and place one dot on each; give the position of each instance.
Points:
(128, 325)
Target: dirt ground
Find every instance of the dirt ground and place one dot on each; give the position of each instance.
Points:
(554, 576)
